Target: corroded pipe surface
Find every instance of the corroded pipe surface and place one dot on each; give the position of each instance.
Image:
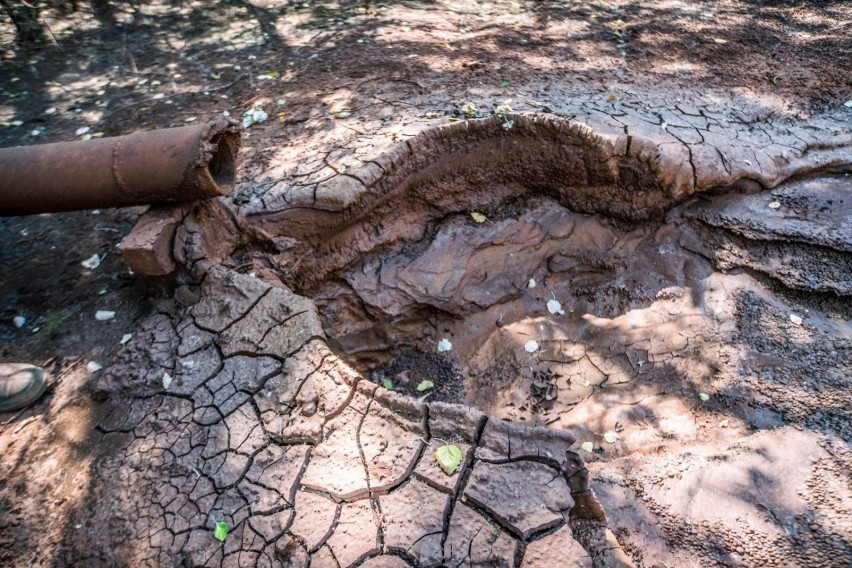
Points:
(171, 165)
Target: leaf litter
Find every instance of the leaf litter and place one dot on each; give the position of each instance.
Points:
(449, 458)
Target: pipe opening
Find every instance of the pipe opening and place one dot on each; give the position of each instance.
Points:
(222, 165)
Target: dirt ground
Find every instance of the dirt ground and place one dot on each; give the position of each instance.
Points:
(342, 80)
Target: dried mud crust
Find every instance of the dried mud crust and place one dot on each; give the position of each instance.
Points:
(260, 425)
(232, 407)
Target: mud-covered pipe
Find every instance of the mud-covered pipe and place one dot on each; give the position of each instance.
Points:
(171, 165)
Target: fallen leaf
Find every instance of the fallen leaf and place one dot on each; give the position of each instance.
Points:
(531, 346)
(253, 116)
(454, 119)
(93, 366)
(92, 262)
(611, 97)
(588, 446)
(503, 108)
(425, 385)
(388, 384)
(478, 217)
(449, 458)
(796, 319)
(704, 396)
(444, 345)
(104, 315)
(554, 307)
(587, 383)
(125, 338)
(611, 437)
(221, 531)
(469, 109)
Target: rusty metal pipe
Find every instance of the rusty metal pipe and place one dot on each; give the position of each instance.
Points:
(171, 165)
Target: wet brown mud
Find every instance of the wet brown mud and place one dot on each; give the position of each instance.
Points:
(546, 307)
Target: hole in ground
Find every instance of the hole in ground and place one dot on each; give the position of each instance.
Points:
(598, 296)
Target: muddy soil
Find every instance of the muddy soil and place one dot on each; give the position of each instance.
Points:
(756, 475)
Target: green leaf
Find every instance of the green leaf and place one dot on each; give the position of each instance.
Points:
(454, 119)
(504, 83)
(588, 446)
(273, 74)
(425, 385)
(449, 458)
(388, 384)
(221, 531)
(704, 396)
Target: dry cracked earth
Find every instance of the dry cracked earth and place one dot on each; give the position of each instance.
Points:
(698, 242)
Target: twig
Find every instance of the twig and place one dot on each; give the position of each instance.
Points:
(15, 417)
(127, 49)
(49, 31)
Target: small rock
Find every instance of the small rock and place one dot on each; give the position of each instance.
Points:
(444, 345)
(554, 307)
(531, 346)
(104, 315)
(796, 319)
(775, 205)
(19, 321)
(93, 366)
(92, 262)
(167, 381)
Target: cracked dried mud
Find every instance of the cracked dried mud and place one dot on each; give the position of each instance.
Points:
(692, 218)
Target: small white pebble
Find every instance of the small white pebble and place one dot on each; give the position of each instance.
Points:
(554, 307)
(531, 346)
(775, 205)
(531, 283)
(796, 319)
(167, 380)
(93, 366)
(104, 315)
(82, 130)
(125, 338)
(19, 321)
(444, 345)
(92, 262)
